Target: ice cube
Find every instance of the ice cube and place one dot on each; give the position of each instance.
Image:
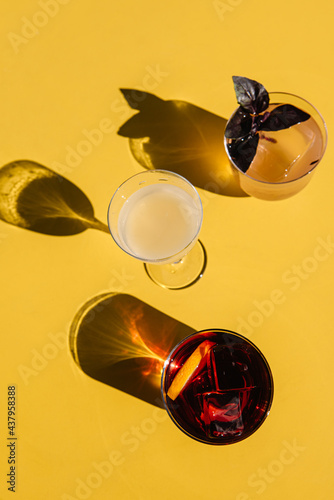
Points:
(222, 413)
(226, 372)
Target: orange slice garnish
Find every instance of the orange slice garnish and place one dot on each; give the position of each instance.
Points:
(189, 369)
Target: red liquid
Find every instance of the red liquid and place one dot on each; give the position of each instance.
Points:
(227, 398)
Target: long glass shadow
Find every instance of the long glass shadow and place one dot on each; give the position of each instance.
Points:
(123, 342)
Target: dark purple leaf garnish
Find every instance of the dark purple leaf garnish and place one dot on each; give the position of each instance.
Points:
(251, 95)
(239, 125)
(243, 150)
(283, 117)
(251, 117)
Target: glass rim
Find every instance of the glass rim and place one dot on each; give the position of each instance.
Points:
(268, 183)
(181, 253)
(216, 330)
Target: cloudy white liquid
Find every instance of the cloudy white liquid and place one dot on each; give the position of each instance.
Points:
(158, 221)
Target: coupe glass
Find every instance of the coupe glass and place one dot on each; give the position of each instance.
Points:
(217, 387)
(156, 216)
(285, 160)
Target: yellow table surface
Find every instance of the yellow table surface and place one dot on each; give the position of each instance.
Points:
(62, 65)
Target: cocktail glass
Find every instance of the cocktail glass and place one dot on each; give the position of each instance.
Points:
(286, 159)
(217, 387)
(156, 216)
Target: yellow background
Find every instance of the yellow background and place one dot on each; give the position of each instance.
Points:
(65, 79)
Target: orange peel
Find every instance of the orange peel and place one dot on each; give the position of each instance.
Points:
(189, 369)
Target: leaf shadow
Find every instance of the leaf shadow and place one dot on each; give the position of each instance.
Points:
(180, 137)
(35, 197)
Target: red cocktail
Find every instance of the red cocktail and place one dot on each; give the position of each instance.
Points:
(217, 386)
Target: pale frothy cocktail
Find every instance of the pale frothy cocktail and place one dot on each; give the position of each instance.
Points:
(158, 221)
(156, 216)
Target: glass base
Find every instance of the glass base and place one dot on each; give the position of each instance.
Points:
(180, 274)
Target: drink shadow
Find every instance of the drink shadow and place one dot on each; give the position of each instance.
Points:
(121, 341)
(180, 137)
(35, 197)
